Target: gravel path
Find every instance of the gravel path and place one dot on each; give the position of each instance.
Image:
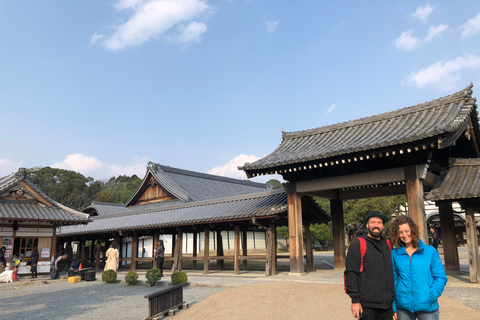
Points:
(84, 300)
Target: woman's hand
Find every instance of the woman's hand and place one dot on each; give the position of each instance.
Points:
(395, 316)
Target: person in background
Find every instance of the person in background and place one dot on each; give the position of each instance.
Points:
(56, 272)
(34, 262)
(160, 255)
(3, 261)
(112, 258)
(435, 238)
(16, 261)
(418, 272)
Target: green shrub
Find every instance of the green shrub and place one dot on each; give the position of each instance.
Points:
(109, 276)
(131, 277)
(153, 275)
(179, 277)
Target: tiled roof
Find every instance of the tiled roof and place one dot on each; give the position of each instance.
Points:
(441, 117)
(106, 208)
(23, 210)
(461, 181)
(195, 186)
(262, 204)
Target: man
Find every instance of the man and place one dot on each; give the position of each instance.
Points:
(372, 290)
(435, 238)
(55, 274)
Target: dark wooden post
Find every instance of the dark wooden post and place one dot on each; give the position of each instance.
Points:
(82, 252)
(134, 250)
(97, 256)
(244, 248)
(206, 251)
(295, 229)
(220, 263)
(270, 256)
(195, 245)
(336, 207)
(472, 244)
(53, 249)
(416, 204)
(177, 256)
(156, 238)
(92, 252)
(236, 251)
(449, 243)
(309, 249)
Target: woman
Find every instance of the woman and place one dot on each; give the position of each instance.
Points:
(418, 273)
(112, 258)
(3, 261)
(160, 255)
(34, 262)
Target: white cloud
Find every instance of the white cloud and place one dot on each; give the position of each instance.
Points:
(471, 27)
(272, 26)
(191, 32)
(231, 169)
(95, 38)
(407, 41)
(152, 18)
(8, 167)
(434, 31)
(422, 13)
(99, 170)
(331, 108)
(443, 74)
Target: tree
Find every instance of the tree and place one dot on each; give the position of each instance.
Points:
(275, 183)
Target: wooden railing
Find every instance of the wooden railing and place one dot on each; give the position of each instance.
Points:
(166, 300)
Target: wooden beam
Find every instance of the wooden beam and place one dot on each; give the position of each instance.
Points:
(295, 229)
(270, 254)
(363, 193)
(472, 244)
(236, 250)
(206, 251)
(351, 180)
(134, 252)
(177, 253)
(195, 245)
(82, 252)
(309, 249)
(336, 208)
(449, 243)
(220, 263)
(416, 203)
(244, 249)
(97, 257)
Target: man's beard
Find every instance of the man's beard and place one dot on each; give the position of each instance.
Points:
(375, 232)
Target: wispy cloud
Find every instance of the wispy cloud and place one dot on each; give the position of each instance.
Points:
(471, 27)
(8, 166)
(422, 13)
(444, 75)
(272, 26)
(331, 108)
(95, 38)
(407, 41)
(93, 167)
(154, 18)
(435, 31)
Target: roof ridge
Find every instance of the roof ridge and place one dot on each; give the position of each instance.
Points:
(463, 94)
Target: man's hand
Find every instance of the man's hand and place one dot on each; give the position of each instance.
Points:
(357, 310)
(395, 316)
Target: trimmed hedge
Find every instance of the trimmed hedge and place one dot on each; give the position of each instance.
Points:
(179, 277)
(131, 278)
(153, 275)
(109, 276)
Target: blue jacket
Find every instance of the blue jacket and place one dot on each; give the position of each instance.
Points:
(419, 279)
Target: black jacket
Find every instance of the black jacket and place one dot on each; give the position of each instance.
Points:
(374, 287)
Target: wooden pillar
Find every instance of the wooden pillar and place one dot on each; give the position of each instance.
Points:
(195, 245)
(120, 251)
(156, 238)
(309, 249)
(177, 255)
(270, 268)
(206, 251)
(97, 255)
(82, 252)
(336, 207)
(295, 229)
(449, 243)
(134, 250)
(220, 263)
(53, 249)
(416, 204)
(173, 242)
(92, 252)
(236, 251)
(472, 244)
(244, 249)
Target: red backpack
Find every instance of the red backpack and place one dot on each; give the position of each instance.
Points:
(363, 250)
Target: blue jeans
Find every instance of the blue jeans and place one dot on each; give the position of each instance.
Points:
(403, 314)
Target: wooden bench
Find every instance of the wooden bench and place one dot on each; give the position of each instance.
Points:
(165, 301)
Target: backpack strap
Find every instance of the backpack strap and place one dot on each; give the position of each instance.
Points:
(363, 249)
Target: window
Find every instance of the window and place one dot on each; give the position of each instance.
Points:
(24, 246)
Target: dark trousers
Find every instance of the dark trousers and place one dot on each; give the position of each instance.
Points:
(160, 264)
(377, 314)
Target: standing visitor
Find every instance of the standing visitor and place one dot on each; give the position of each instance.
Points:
(369, 281)
(112, 258)
(34, 262)
(435, 238)
(418, 272)
(160, 255)
(3, 261)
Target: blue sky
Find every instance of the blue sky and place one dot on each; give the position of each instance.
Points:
(103, 87)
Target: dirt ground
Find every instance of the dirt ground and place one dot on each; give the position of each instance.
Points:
(295, 300)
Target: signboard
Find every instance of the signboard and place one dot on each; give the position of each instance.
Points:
(45, 253)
